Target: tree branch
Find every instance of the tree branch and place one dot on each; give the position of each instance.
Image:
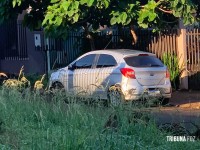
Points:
(165, 11)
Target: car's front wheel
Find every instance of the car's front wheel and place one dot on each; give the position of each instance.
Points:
(115, 96)
(57, 86)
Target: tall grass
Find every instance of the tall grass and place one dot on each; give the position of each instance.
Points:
(33, 121)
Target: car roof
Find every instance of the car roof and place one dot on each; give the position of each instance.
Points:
(124, 52)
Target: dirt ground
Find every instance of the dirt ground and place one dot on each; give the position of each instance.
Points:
(184, 99)
(183, 108)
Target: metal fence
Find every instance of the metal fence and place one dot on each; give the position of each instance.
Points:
(13, 41)
(62, 52)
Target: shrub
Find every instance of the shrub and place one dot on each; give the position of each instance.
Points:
(172, 63)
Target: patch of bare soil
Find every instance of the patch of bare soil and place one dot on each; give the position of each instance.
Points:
(186, 99)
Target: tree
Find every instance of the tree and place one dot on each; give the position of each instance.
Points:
(57, 17)
(10, 9)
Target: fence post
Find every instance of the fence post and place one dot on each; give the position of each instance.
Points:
(182, 55)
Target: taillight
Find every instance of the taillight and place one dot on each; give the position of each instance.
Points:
(128, 72)
(167, 74)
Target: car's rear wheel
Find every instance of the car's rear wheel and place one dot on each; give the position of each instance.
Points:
(115, 96)
(164, 101)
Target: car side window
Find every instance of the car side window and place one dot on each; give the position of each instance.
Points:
(106, 61)
(84, 62)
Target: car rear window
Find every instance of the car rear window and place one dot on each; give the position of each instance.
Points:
(143, 61)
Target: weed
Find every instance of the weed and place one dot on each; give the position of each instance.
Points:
(39, 83)
(19, 83)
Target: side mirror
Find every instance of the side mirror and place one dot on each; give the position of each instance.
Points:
(71, 67)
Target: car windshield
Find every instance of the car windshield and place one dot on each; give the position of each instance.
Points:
(143, 61)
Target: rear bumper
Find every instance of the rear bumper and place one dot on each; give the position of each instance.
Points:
(145, 92)
(140, 96)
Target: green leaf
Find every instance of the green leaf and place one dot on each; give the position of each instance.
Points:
(183, 1)
(48, 18)
(65, 5)
(188, 8)
(83, 2)
(152, 16)
(143, 25)
(115, 13)
(14, 2)
(192, 19)
(70, 13)
(185, 21)
(75, 5)
(144, 14)
(128, 21)
(19, 2)
(58, 21)
(151, 4)
(106, 3)
(179, 7)
(131, 6)
(177, 13)
(154, 30)
(123, 17)
(54, 1)
(175, 2)
(76, 17)
(113, 21)
(90, 2)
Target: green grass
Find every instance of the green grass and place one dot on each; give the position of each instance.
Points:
(32, 121)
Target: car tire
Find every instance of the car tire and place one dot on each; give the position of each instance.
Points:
(165, 101)
(115, 96)
(56, 86)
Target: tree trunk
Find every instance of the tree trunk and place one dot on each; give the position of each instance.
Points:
(135, 38)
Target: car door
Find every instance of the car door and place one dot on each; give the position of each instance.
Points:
(106, 73)
(81, 76)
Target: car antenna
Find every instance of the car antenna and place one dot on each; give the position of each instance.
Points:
(108, 43)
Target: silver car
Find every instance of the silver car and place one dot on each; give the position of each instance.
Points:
(116, 75)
